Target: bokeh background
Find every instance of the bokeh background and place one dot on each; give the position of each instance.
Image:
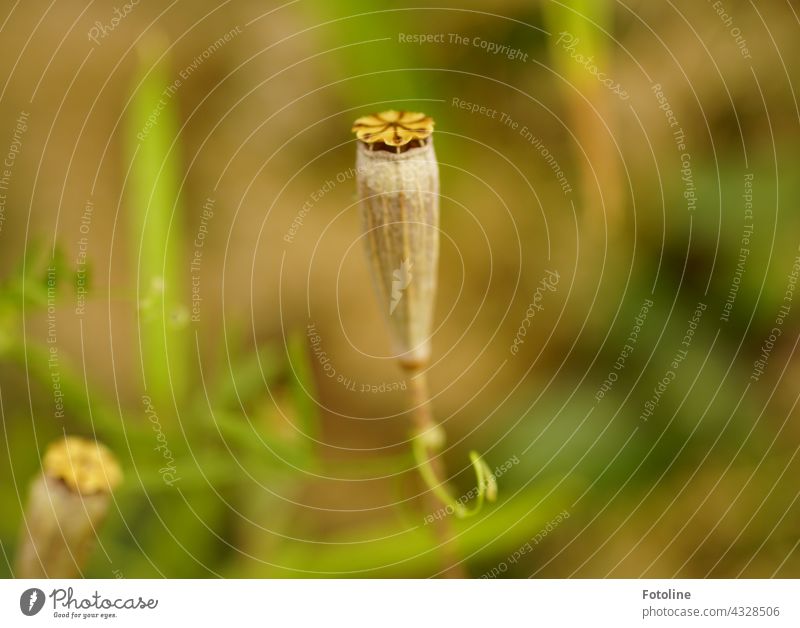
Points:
(184, 168)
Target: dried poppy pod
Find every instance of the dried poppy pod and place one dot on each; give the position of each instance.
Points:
(67, 505)
(398, 184)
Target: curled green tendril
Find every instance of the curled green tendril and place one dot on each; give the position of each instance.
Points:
(425, 443)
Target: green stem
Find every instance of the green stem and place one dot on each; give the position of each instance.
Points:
(428, 441)
(156, 237)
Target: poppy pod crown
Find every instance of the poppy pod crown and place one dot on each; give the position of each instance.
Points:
(394, 130)
(85, 466)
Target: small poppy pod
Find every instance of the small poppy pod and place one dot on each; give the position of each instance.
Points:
(398, 186)
(67, 505)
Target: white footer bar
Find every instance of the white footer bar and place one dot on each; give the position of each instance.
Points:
(406, 603)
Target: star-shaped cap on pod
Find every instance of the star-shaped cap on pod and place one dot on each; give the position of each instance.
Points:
(393, 128)
(84, 465)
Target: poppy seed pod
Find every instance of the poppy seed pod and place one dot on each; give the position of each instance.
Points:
(398, 185)
(67, 505)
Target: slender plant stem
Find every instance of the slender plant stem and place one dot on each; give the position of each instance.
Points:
(426, 430)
